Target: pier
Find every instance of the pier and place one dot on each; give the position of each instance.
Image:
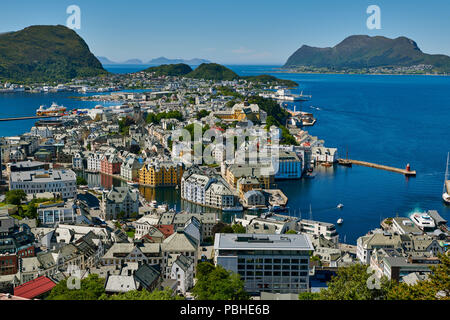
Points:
(406, 171)
(29, 118)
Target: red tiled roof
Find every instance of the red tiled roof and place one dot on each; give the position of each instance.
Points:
(34, 288)
(167, 229)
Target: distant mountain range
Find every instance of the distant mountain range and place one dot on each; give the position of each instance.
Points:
(46, 53)
(155, 62)
(362, 52)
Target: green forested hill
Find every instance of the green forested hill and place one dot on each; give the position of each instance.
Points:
(179, 69)
(367, 52)
(46, 53)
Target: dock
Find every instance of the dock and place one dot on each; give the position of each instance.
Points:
(29, 118)
(405, 172)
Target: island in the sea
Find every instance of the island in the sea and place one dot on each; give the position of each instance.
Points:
(364, 54)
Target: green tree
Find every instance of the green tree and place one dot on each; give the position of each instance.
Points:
(81, 181)
(15, 197)
(202, 113)
(216, 283)
(291, 232)
(222, 227)
(91, 288)
(165, 294)
(350, 283)
(437, 286)
(239, 228)
(309, 296)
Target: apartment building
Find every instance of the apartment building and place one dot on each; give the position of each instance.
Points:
(318, 228)
(117, 200)
(54, 181)
(267, 263)
(161, 173)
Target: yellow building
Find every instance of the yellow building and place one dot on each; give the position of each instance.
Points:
(236, 171)
(160, 174)
(241, 112)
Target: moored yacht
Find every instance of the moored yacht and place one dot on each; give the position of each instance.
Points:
(423, 221)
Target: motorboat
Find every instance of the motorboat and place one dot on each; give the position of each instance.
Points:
(340, 221)
(340, 206)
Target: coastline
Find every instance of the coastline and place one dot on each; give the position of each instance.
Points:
(362, 74)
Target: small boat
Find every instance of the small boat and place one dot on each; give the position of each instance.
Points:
(340, 221)
(326, 164)
(345, 162)
(254, 208)
(340, 206)
(132, 184)
(310, 175)
(233, 209)
(446, 190)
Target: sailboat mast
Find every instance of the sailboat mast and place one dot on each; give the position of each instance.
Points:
(446, 174)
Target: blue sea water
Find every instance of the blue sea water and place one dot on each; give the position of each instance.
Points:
(391, 120)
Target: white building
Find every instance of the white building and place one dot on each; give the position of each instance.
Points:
(323, 154)
(129, 170)
(270, 263)
(52, 214)
(77, 161)
(183, 272)
(117, 200)
(40, 181)
(318, 228)
(94, 162)
(207, 191)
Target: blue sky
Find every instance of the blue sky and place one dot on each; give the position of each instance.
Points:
(232, 32)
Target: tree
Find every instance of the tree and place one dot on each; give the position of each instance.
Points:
(216, 283)
(15, 197)
(165, 294)
(221, 227)
(291, 232)
(309, 296)
(81, 181)
(239, 228)
(121, 215)
(91, 288)
(350, 283)
(436, 287)
(202, 113)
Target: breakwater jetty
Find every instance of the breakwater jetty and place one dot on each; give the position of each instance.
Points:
(407, 171)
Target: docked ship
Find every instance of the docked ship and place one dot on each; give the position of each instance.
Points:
(286, 95)
(423, 221)
(54, 110)
(446, 191)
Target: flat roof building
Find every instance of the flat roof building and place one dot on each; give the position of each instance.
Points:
(277, 263)
(39, 181)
